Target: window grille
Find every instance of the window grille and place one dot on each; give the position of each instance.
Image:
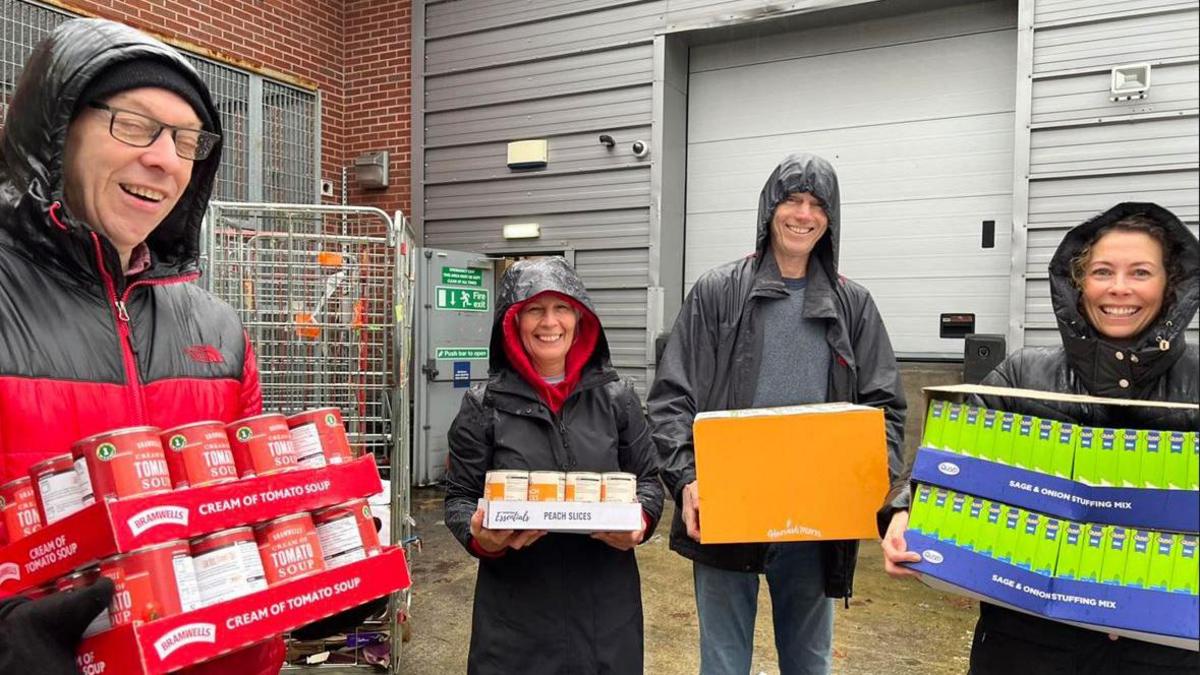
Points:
(271, 133)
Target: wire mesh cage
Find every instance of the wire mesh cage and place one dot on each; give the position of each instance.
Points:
(315, 288)
(325, 295)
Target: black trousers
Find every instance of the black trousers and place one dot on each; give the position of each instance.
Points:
(1013, 643)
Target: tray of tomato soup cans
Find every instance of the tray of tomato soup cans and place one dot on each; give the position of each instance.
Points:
(577, 501)
(215, 535)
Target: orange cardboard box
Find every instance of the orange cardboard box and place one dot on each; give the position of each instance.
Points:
(795, 473)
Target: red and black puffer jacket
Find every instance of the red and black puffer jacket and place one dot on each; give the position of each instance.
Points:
(83, 349)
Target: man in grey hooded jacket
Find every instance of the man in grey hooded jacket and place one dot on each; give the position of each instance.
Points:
(781, 327)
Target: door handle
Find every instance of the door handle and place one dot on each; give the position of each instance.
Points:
(430, 369)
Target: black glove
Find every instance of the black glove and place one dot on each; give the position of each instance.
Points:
(39, 637)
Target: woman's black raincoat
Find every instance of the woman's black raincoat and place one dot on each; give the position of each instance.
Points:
(1156, 366)
(568, 604)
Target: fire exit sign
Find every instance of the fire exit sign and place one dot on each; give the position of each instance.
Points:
(462, 299)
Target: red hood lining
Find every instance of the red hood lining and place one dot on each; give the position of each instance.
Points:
(587, 333)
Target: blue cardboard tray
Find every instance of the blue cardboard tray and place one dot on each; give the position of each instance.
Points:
(1148, 508)
(1162, 617)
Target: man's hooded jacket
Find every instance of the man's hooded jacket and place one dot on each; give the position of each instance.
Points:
(84, 349)
(567, 604)
(714, 356)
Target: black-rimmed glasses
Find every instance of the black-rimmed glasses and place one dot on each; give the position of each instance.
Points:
(141, 131)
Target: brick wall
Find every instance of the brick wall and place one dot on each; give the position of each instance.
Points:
(356, 52)
(378, 95)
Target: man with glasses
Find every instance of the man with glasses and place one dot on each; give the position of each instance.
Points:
(108, 157)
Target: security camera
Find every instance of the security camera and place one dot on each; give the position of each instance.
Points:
(640, 149)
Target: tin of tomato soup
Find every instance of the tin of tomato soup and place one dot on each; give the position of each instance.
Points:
(547, 486)
(262, 445)
(227, 565)
(81, 579)
(198, 454)
(125, 463)
(506, 486)
(616, 486)
(347, 533)
(289, 548)
(57, 488)
(320, 437)
(152, 583)
(19, 515)
(583, 486)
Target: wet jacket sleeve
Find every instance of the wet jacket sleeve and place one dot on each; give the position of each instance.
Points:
(638, 455)
(900, 497)
(470, 456)
(879, 380)
(688, 361)
(879, 386)
(251, 393)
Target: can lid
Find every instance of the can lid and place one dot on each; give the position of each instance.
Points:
(223, 533)
(252, 418)
(191, 425)
(283, 519)
(113, 433)
(114, 558)
(619, 474)
(314, 411)
(51, 461)
(16, 481)
(349, 506)
(155, 547)
(90, 568)
(583, 474)
(499, 473)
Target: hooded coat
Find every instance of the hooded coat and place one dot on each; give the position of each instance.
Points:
(83, 348)
(1157, 365)
(568, 604)
(714, 356)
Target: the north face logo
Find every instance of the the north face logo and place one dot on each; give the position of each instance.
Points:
(204, 354)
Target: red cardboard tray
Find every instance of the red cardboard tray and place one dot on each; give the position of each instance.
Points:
(204, 634)
(106, 528)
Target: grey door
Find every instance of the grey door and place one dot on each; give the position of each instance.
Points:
(456, 297)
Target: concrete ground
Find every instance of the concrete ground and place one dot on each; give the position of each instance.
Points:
(891, 627)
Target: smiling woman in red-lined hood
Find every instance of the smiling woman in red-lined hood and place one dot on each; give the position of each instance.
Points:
(548, 603)
(546, 328)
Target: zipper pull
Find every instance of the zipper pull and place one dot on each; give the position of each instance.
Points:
(1164, 344)
(121, 313)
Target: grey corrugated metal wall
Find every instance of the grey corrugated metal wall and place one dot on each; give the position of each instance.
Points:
(1087, 152)
(494, 71)
(566, 70)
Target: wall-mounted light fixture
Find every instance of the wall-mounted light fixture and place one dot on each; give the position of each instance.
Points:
(1130, 82)
(532, 154)
(522, 231)
(371, 170)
